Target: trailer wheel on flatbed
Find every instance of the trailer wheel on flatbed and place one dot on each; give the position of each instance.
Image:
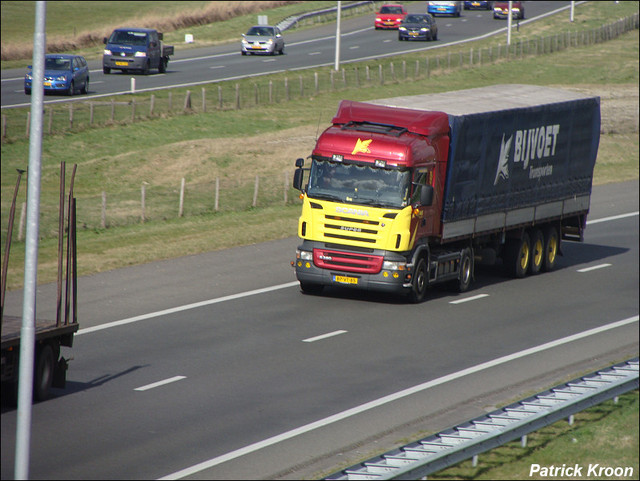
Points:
(551, 247)
(517, 256)
(43, 373)
(537, 251)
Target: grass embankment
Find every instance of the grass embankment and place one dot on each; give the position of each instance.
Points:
(599, 438)
(235, 145)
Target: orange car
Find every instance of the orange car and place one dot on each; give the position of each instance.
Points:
(390, 16)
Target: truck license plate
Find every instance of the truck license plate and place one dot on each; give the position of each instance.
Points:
(345, 279)
(124, 64)
(47, 84)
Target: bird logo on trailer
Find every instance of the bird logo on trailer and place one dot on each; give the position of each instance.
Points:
(503, 160)
(530, 144)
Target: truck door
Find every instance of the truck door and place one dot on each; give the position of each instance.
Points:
(427, 215)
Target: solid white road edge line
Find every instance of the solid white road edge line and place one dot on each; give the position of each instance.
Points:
(392, 397)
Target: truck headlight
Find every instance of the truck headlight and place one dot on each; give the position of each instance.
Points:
(402, 28)
(107, 51)
(394, 266)
(304, 255)
(140, 54)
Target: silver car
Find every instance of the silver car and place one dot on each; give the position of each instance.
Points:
(263, 39)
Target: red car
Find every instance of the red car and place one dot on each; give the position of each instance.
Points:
(390, 16)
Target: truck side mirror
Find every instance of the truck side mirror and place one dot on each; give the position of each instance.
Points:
(426, 195)
(299, 162)
(160, 36)
(297, 178)
(104, 40)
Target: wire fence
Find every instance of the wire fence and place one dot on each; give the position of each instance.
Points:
(159, 203)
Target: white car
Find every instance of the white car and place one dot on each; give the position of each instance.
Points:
(262, 39)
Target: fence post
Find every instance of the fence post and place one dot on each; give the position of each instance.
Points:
(142, 203)
(393, 72)
(417, 69)
(187, 101)
(217, 194)
(204, 99)
(237, 96)
(331, 75)
(181, 206)
(4, 126)
(133, 110)
(286, 88)
(113, 110)
(90, 113)
(301, 86)
(368, 74)
(381, 74)
(270, 91)
(255, 192)
(50, 126)
(70, 115)
(404, 69)
(103, 215)
(286, 185)
(170, 101)
(344, 79)
(219, 97)
(315, 79)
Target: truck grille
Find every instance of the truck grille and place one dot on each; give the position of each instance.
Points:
(347, 261)
(351, 229)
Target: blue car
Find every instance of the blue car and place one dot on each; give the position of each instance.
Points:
(62, 73)
(444, 8)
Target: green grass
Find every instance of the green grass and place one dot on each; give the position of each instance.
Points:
(600, 435)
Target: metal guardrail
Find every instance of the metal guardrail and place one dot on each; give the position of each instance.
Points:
(294, 19)
(449, 447)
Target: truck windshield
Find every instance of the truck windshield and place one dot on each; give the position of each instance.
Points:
(358, 184)
(120, 37)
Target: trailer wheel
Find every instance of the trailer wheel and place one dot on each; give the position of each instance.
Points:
(551, 248)
(466, 270)
(420, 281)
(43, 374)
(308, 288)
(537, 251)
(517, 256)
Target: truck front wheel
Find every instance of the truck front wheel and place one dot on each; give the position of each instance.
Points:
(43, 374)
(106, 70)
(419, 282)
(162, 66)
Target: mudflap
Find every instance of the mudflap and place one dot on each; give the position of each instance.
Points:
(60, 373)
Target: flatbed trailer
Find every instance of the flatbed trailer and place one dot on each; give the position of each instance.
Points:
(50, 366)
